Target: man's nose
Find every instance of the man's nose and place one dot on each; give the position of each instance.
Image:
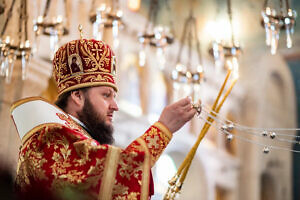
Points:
(114, 105)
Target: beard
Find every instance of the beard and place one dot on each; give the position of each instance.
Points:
(95, 123)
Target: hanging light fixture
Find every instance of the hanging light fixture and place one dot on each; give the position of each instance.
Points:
(2, 7)
(154, 35)
(274, 21)
(55, 27)
(187, 77)
(9, 51)
(106, 15)
(226, 53)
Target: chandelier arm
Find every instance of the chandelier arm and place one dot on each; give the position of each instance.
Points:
(168, 7)
(281, 7)
(26, 20)
(20, 21)
(229, 10)
(112, 5)
(115, 5)
(151, 15)
(190, 35)
(182, 40)
(287, 5)
(66, 4)
(198, 43)
(93, 6)
(265, 4)
(9, 14)
(46, 10)
(155, 11)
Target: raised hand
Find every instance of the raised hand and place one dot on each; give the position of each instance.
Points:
(175, 115)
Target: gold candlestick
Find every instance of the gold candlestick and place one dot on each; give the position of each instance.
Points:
(175, 184)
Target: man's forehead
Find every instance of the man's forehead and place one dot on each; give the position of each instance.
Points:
(104, 88)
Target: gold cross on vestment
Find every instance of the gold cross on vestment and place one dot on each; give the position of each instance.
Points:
(153, 141)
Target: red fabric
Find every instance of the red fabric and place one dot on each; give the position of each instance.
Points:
(64, 162)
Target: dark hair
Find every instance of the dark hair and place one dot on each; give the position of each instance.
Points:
(62, 100)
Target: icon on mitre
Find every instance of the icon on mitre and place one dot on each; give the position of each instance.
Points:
(75, 63)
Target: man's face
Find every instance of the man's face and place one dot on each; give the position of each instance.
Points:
(102, 99)
(74, 60)
(97, 112)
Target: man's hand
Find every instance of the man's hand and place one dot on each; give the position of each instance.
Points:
(174, 116)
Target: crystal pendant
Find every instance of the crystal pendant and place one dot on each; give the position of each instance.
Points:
(142, 57)
(218, 56)
(264, 133)
(268, 34)
(9, 68)
(160, 55)
(115, 28)
(4, 65)
(230, 126)
(54, 39)
(98, 30)
(176, 88)
(115, 32)
(266, 150)
(24, 65)
(196, 91)
(229, 137)
(274, 40)
(35, 44)
(224, 127)
(272, 135)
(98, 25)
(288, 36)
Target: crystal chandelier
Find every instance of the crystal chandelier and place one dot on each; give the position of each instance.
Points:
(274, 21)
(226, 53)
(55, 27)
(187, 77)
(9, 51)
(154, 35)
(104, 15)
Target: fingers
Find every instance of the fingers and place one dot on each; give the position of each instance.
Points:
(190, 114)
(183, 102)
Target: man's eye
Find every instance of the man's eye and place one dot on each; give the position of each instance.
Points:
(106, 95)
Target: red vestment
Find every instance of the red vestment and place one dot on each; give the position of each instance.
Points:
(62, 159)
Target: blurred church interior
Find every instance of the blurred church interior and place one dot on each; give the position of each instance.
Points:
(152, 40)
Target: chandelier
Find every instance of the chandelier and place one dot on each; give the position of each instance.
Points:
(105, 15)
(55, 27)
(226, 53)
(186, 76)
(274, 21)
(9, 50)
(154, 35)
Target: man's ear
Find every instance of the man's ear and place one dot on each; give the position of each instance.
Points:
(77, 97)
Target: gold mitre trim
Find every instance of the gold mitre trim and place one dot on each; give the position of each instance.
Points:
(83, 85)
